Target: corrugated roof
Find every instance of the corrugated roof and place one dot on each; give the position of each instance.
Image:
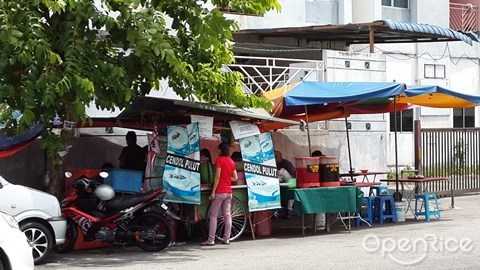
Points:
(427, 29)
(385, 31)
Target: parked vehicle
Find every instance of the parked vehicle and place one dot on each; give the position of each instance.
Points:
(93, 210)
(15, 252)
(38, 214)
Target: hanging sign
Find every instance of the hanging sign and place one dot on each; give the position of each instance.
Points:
(260, 172)
(242, 129)
(181, 177)
(205, 125)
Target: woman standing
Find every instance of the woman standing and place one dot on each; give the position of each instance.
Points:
(221, 195)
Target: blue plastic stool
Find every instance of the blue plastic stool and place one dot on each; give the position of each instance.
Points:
(385, 208)
(379, 190)
(425, 200)
(368, 216)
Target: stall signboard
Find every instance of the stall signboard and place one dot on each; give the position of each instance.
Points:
(181, 178)
(157, 153)
(242, 129)
(205, 125)
(260, 172)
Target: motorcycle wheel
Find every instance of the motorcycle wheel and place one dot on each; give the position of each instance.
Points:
(70, 238)
(161, 227)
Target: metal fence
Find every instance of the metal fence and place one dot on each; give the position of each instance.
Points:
(453, 153)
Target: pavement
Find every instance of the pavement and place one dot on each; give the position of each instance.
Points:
(450, 243)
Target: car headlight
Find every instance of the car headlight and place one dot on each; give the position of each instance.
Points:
(10, 220)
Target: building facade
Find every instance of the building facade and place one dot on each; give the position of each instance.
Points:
(454, 65)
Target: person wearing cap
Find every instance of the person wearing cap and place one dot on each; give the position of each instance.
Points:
(132, 156)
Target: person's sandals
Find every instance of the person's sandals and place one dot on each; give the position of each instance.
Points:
(226, 242)
(208, 243)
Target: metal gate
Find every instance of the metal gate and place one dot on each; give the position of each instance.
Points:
(454, 153)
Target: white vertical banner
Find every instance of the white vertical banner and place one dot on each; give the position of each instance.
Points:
(260, 172)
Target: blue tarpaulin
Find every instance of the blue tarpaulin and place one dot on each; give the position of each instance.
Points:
(311, 93)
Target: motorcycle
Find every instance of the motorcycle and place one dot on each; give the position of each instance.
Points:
(94, 211)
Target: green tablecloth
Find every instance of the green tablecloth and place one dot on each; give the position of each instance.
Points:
(325, 199)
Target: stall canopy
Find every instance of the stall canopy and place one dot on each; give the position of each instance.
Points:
(437, 97)
(146, 112)
(329, 100)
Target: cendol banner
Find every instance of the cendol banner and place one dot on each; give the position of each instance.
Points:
(260, 172)
(181, 177)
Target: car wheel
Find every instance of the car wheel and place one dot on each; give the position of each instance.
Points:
(39, 238)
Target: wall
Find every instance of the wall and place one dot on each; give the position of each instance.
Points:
(337, 71)
(366, 11)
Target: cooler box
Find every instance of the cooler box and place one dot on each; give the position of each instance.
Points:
(329, 171)
(125, 180)
(307, 171)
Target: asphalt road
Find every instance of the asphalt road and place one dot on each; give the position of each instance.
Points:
(451, 243)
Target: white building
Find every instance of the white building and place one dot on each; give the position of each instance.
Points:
(454, 65)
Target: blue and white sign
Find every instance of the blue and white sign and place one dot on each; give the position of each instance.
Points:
(181, 178)
(260, 172)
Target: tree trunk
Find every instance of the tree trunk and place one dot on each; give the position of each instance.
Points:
(57, 159)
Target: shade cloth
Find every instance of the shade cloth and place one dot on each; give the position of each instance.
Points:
(437, 97)
(325, 199)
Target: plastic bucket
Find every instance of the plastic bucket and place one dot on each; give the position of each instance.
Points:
(263, 223)
(401, 211)
(320, 221)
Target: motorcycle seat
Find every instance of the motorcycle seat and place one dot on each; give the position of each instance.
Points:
(123, 202)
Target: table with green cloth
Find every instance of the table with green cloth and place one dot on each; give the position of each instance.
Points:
(346, 199)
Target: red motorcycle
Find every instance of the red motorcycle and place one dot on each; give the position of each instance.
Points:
(95, 214)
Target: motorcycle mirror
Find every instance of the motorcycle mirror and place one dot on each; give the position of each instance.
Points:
(68, 174)
(104, 174)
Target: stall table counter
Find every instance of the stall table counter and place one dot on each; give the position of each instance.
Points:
(325, 200)
(365, 176)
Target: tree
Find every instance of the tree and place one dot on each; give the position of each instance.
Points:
(58, 56)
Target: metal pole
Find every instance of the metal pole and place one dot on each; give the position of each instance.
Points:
(397, 195)
(349, 151)
(308, 132)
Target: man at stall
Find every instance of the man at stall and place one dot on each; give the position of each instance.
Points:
(133, 157)
(284, 164)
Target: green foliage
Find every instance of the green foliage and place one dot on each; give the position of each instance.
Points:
(57, 56)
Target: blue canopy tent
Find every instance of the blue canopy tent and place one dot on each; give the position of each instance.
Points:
(312, 95)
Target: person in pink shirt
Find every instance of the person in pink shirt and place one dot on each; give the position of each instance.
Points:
(221, 195)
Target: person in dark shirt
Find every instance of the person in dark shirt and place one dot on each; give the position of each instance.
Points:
(132, 156)
(285, 164)
(317, 153)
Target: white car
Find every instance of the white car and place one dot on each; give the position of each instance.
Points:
(38, 214)
(15, 252)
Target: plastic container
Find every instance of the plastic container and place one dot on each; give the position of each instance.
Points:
(329, 171)
(307, 172)
(292, 183)
(320, 221)
(263, 223)
(125, 180)
(401, 211)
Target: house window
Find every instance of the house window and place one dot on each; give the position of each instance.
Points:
(434, 71)
(395, 3)
(464, 117)
(404, 121)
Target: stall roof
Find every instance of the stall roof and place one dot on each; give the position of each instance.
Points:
(148, 111)
(438, 97)
(384, 31)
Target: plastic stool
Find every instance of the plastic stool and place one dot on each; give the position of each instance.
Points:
(368, 202)
(379, 190)
(390, 211)
(425, 199)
